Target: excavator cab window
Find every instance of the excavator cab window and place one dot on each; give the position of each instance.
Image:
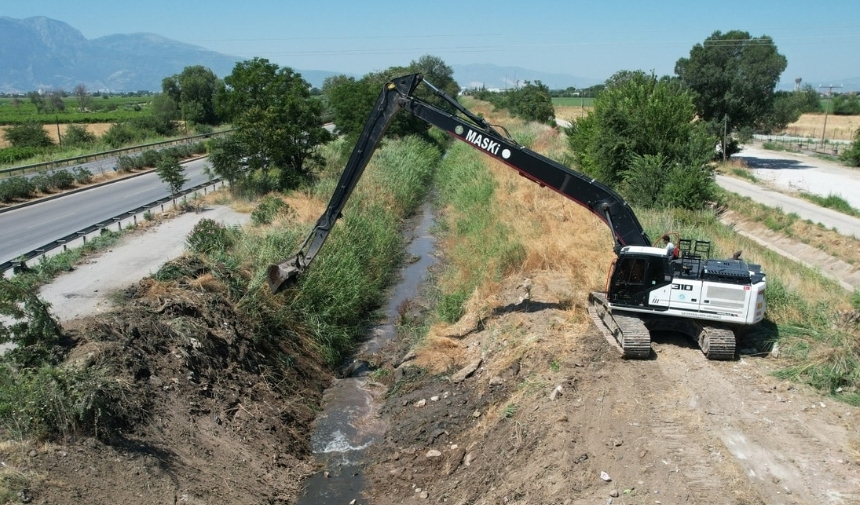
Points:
(634, 277)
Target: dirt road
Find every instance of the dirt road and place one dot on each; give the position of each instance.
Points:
(793, 172)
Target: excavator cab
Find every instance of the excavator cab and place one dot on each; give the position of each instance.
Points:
(637, 272)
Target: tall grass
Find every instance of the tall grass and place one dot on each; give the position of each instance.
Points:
(335, 298)
(481, 246)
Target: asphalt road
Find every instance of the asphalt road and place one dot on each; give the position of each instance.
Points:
(782, 173)
(27, 228)
(843, 223)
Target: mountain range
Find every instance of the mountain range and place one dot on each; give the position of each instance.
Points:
(40, 53)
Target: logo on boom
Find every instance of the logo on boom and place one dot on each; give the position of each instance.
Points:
(486, 143)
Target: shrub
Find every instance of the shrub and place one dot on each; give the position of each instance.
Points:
(77, 135)
(269, 207)
(14, 154)
(851, 156)
(128, 163)
(150, 158)
(28, 323)
(29, 134)
(120, 134)
(82, 175)
(61, 179)
(209, 236)
(41, 182)
(16, 187)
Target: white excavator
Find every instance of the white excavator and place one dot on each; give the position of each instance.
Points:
(676, 288)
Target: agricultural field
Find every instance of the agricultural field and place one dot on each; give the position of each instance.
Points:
(812, 125)
(102, 109)
(573, 101)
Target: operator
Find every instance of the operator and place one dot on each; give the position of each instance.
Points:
(670, 247)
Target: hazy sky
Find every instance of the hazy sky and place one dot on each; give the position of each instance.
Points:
(590, 39)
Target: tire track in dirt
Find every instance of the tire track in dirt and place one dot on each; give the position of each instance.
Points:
(658, 441)
(793, 447)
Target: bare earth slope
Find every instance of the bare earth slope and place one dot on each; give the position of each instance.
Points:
(674, 429)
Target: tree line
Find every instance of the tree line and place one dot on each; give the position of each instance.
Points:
(652, 137)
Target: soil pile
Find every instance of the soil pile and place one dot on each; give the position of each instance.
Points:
(208, 415)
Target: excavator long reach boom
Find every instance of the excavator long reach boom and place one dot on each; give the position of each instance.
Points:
(396, 96)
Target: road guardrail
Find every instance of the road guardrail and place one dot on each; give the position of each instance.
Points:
(21, 260)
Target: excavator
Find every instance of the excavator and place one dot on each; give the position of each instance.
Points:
(677, 288)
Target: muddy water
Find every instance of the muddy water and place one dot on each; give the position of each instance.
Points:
(349, 423)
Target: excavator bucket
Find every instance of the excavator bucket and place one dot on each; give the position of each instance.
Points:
(285, 274)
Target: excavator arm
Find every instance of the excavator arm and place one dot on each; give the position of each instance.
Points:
(396, 96)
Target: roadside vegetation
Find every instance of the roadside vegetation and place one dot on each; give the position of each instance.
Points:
(791, 225)
(17, 188)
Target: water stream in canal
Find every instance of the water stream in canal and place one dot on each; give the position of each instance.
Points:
(349, 423)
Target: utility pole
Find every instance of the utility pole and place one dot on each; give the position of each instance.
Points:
(827, 109)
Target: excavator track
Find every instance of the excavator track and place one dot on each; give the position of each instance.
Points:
(717, 342)
(627, 333)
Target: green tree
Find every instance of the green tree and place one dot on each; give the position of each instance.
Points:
(851, 156)
(532, 102)
(808, 99)
(226, 160)
(194, 90)
(37, 100)
(351, 100)
(845, 104)
(29, 134)
(785, 110)
(733, 76)
(172, 173)
(276, 121)
(78, 135)
(83, 96)
(642, 138)
(165, 112)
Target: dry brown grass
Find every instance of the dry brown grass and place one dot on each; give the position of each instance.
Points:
(563, 241)
(812, 125)
(570, 113)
